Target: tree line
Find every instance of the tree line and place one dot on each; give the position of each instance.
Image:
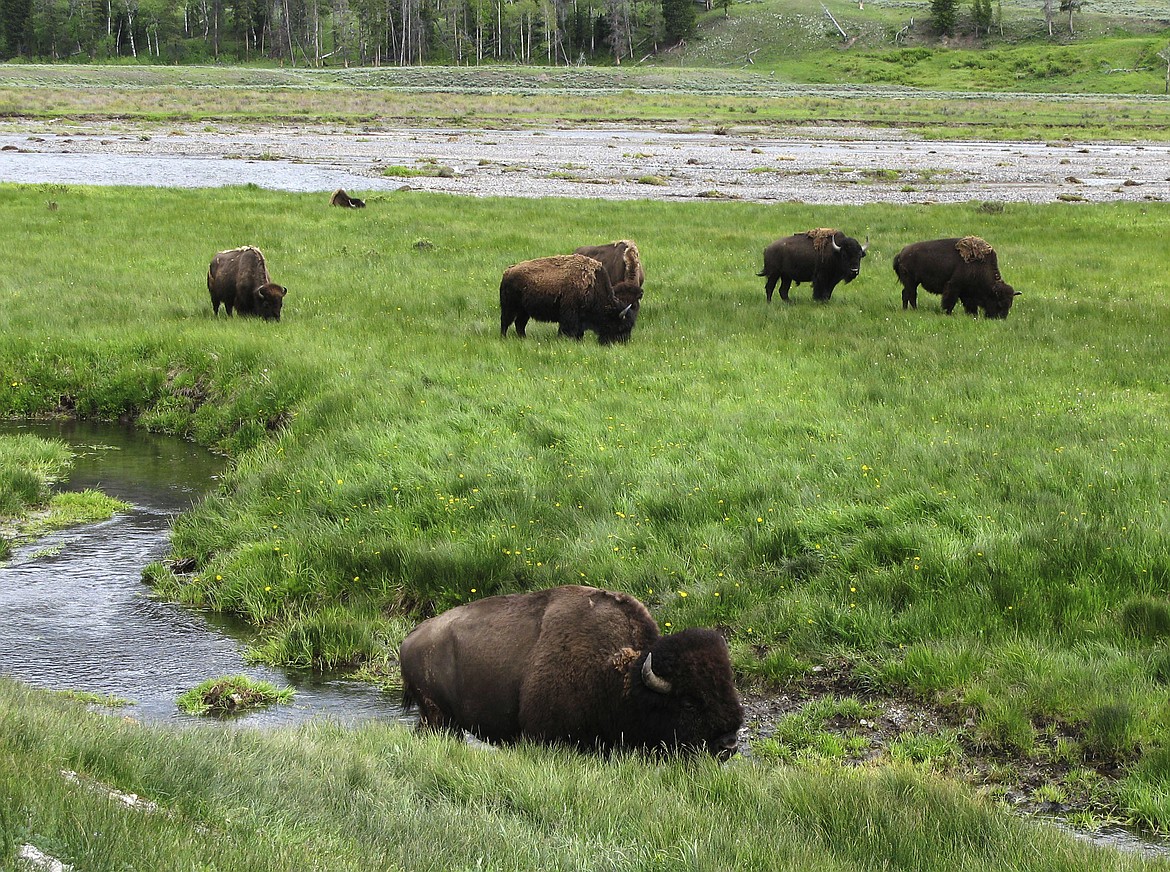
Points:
(343, 32)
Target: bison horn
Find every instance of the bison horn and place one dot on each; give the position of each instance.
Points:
(625, 311)
(865, 247)
(833, 239)
(652, 681)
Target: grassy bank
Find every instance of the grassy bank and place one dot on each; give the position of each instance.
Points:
(677, 98)
(971, 513)
(29, 467)
(104, 794)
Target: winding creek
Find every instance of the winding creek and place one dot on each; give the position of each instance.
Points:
(78, 616)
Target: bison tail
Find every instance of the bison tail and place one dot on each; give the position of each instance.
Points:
(409, 699)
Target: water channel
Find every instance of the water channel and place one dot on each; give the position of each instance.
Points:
(78, 616)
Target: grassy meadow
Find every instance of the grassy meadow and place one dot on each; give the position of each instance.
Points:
(911, 89)
(969, 513)
(105, 794)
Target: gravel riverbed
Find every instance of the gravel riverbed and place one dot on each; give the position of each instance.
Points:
(831, 165)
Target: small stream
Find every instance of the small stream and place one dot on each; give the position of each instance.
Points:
(78, 616)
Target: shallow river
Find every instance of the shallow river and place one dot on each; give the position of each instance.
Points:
(78, 616)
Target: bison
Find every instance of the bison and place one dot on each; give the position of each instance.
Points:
(823, 256)
(571, 289)
(238, 279)
(621, 259)
(963, 270)
(340, 198)
(571, 665)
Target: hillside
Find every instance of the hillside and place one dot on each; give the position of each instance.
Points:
(1114, 47)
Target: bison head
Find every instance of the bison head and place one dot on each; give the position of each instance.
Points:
(685, 697)
(618, 323)
(849, 253)
(268, 298)
(999, 300)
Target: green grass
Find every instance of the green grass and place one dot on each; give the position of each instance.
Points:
(378, 797)
(29, 467)
(230, 695)
(970, 511)
(815, 91)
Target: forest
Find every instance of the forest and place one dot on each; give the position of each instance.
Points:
(303, 33)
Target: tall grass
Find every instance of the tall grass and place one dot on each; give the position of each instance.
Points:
(971, 510)
(1007, 93)
(376, 797)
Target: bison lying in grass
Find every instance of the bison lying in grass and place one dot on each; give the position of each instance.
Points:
(238, 279)
(621, 259)
(571, 665)
(823, 256)
(340, 198)
(964, 270)
(571, 289)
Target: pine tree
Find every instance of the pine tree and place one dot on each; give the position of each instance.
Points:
(942, 14)
(678, 19)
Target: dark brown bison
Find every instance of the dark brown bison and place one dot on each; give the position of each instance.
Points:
(239, 279)
(340, 198)
(823, 256)
(621, 259)
(964, 270)
(571, 665)
(571, 289)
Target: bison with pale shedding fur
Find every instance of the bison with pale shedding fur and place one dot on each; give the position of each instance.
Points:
(239, 280)
(621, 259)
(962, 269)
(572, 290)
(824, 256)
(571, 665)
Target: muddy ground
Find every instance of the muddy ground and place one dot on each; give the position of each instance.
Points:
(831, 165)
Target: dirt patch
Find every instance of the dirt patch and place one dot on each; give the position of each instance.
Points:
(829, 714)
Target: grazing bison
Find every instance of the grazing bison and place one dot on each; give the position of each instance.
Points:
(621, 259)
(239, 279)
(571, 665)
(963, 270)
(340, 198)
(571, 289)
(823, 256)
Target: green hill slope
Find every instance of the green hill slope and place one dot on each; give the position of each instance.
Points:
(893, 42)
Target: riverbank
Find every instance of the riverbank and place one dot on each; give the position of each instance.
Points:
(820, 165)
(378, 797)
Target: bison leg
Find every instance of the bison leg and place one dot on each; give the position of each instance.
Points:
(570, 325)
(770, 285)
(785, 284)
(822, 291)
(431, 717)
(950, 296)
(909, 295)
(521, 324)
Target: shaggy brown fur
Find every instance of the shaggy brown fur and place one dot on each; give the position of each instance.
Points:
(960, 270)
(571, 289)
(238, 279)
(340, 198)
(568, 665)
(621, 259)
(974, 248)
(821, 237)
(815, 256)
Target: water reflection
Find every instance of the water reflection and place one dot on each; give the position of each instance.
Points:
(79, 617)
